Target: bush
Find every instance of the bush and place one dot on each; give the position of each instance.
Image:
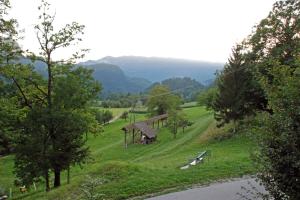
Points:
(213, 133)
(88, 188)
(124, 115)
(208, 97)
(103, 116)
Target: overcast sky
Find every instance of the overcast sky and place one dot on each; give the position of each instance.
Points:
(190, 29)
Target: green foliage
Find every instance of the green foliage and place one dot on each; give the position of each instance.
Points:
(215, 134)
(45, 118)
(185, 87)
(229, 102)
(239, 94)
(10, 115)
(161, 100)
(208, 97)
(9, 49)
(103, 116)
(264, 75)
(89, 189)
(147, 169)
(275, 53)
(124, 115)
(279, 152)
(8, 34)
(64, 146)
(120, 100)
(177, 119)
(276, 37)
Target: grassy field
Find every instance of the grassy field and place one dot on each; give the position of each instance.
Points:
(115, 111)
(189, 104)
(143, 169)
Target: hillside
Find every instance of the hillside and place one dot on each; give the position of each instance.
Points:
(157, 69)
(186, 87)
(114, 80)
(143, 169)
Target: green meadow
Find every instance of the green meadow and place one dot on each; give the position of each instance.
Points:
(145, 169)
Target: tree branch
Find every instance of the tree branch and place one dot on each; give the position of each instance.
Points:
(22, 93)
(36, 86)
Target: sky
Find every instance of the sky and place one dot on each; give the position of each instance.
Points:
(189, 29)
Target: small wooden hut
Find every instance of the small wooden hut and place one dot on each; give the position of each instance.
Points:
(144, 129)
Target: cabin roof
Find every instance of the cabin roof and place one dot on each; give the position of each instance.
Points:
(144, 127)
(156, 118)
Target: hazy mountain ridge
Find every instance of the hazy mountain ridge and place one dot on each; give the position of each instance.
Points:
(157, 69)
(133, 74)
(111, 77)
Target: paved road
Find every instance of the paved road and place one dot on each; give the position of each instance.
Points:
(218, 191)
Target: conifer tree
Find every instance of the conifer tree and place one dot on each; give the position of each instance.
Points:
(232, 83)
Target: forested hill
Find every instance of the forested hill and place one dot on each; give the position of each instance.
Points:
(114, 80)
(186, 87)
(157, 69)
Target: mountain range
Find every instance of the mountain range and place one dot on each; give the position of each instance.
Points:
(156, 69)
(133, 74)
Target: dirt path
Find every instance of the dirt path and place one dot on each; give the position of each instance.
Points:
(115, 118)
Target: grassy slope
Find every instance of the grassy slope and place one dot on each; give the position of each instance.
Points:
(142, 169)
(116, 111)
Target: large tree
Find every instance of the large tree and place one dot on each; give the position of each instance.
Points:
(39, 149)
(177, 119)
(275, 50)
(207, 97)
(161, 100)
(276, 38)
(9, 110)
(279, 144)
(238, 93)
(56, 117)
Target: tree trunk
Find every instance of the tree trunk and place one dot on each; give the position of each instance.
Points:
(56, 177)
(68, 175)
(47, 181)
(234, 126)
(125, 140)
(133, 136)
